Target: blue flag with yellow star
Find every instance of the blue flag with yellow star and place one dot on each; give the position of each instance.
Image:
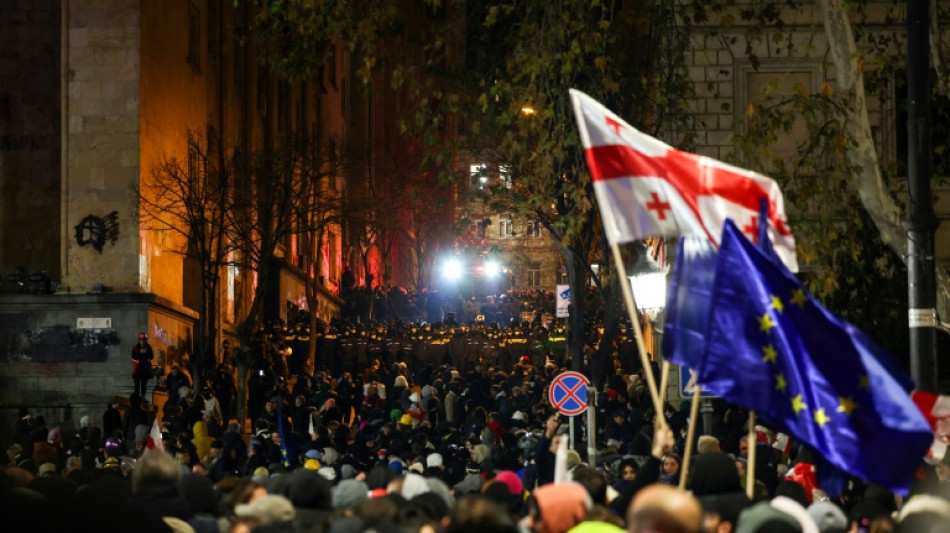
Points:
(289, 450)
(771, 347)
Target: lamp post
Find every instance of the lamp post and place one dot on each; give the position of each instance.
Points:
(648, 281)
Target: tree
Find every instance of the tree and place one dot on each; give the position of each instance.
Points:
(511, 93)
(466, 70)
(282, 191)
(189, 199)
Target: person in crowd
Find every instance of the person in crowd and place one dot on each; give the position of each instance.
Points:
(142, 357)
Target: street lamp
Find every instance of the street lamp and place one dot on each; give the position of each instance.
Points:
(648, 281)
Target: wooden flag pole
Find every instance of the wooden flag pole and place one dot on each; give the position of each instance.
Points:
(750, 462)
(664, 381)
(690, 433)
(637, 331)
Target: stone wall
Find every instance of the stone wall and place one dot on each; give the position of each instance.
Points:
(30, 159)
(65, 355)
(102, 56)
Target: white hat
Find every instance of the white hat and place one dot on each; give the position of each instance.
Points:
(518, 416)
(416, 467)
(268, 508)
(434, 460)
(414, 397)
(328, 473)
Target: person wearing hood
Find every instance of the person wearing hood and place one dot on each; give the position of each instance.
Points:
(202, 440)
(556, 507)
(415, 410)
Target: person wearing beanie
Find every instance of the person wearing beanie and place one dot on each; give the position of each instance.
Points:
(268, 509)
(763, 518)
(829, 517)
(472, 482)
(435, 467)
(348, 493)
(556, 508)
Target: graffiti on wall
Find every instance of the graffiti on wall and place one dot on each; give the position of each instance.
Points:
(52, 344)
(95, 231)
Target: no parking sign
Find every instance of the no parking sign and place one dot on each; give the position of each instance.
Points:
(568, 393)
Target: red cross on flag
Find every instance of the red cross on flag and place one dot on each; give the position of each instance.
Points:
(646, 188)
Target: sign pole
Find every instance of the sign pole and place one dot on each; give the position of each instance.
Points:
(591, 427)
(571, 427)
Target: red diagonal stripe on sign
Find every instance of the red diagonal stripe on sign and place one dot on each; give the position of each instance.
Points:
(569, 394)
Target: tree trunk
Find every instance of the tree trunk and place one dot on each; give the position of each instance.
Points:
(576, 276)
(868, 181)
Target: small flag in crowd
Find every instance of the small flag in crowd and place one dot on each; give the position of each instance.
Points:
(936, 409)
(646, 188)
(289, 450)
(771, 347)
(154, 440)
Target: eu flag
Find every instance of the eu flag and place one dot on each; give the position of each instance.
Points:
(771, 347)
(687, 301)
(289, 450)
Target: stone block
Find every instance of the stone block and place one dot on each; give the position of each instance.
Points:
(707, 122)
(718, 73)
(727, 121)
(719, 137)
(697, 73)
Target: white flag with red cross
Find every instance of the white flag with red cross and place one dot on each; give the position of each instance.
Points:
(936, 410)
(646, 188)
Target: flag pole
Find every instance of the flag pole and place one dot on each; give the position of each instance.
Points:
(664, 381)
(637, 331)
(690, 433)
(750, 462)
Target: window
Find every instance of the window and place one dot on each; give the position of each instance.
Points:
(534, 230)
(504, 174)
(505, 227)
(194, 37)
(533, 277)
(213, 40)
(479, 175)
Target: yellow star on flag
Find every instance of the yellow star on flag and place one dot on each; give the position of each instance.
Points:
(768, 354)
(798, 405)
(799, 298)
(777, 304)
(846, 405)
(821, 418)
(780, 382)
(766, 323)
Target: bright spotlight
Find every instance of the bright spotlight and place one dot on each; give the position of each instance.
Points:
(492, 268)
(452, 269)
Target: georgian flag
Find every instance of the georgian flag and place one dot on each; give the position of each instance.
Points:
(154, 440)
(646, 188)
(936, 410)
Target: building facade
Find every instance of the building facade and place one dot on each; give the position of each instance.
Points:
(94, 97)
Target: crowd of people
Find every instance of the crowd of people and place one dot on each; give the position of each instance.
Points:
(412, 427)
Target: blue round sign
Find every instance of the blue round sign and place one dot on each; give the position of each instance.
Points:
(568, 393)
